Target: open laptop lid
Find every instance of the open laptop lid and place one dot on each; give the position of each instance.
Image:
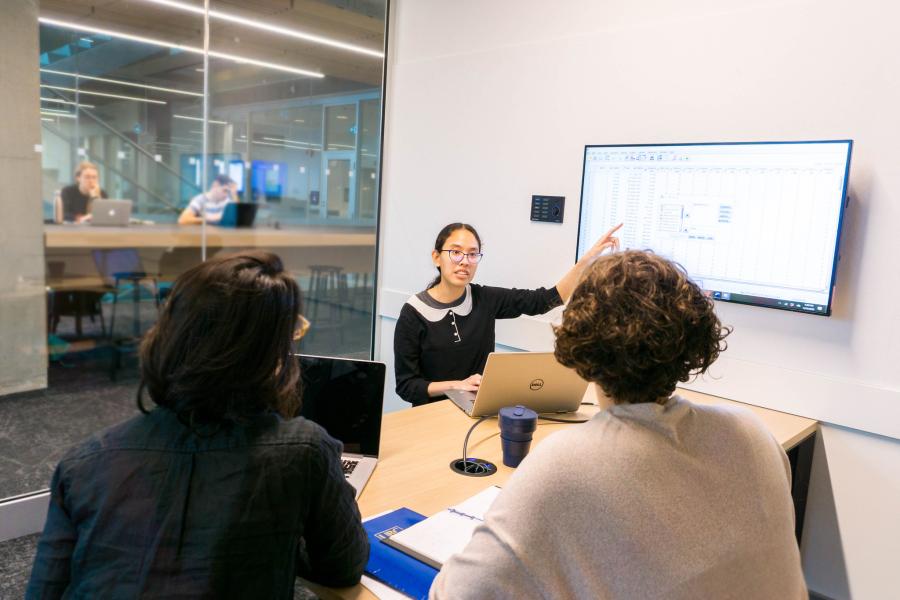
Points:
(110, 212)
(346, 397)
(532, 379)
(237, 214)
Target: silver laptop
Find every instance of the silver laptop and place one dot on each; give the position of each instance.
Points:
(532, 379)
(110, 213)
(346, 398)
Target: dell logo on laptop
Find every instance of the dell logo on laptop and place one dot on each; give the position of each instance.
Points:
(536, 384)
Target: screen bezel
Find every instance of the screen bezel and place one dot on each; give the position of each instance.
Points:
(837, 242)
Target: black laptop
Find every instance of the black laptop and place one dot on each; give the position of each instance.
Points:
(346, 397)
(238, 214)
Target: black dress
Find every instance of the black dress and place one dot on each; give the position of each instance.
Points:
(74, 203)
(434, 341)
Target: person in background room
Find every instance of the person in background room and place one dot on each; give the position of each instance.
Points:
(76, 200)
(211, 204)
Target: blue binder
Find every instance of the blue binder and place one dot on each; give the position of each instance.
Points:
(392, 567)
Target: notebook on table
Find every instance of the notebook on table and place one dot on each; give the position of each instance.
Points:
(437, 538)
(533, 379)
(345, 396)
(390, 566)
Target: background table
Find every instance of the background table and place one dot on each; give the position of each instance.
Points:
(181, 236)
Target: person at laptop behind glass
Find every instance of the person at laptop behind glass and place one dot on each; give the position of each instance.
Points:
(445, 333)
(654, 497)
(210, 205)
(75, 201)
(216, 492)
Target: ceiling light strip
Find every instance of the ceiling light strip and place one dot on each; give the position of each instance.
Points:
(104, 94)
(53, 114)
(287, 141)
(285, 146)
(255, 24)
(58, 101)
(120, 82)
(187, 118)
(183, 47)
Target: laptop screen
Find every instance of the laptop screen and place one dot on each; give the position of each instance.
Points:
(345, 397)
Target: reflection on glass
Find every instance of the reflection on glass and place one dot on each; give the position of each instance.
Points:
(340, 127)
(369, 142)
(294, 123)
(110, 101)
(299, 140)
(337, 186)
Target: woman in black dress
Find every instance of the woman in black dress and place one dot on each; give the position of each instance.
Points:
(445, 333)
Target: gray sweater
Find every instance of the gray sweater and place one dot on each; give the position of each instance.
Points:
(675, 501)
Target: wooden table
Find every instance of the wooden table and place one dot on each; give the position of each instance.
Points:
(189, 236)
(171, 249)
(417, 446)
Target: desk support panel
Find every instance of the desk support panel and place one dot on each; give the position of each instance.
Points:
(800, 457)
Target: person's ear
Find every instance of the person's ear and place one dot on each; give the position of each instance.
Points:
(436, 258)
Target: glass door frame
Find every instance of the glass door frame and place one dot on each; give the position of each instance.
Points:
(349, 156)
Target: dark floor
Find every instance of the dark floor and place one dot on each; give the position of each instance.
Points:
(17, 555)
(36, 428)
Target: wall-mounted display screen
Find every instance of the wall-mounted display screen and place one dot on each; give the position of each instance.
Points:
(755, 223)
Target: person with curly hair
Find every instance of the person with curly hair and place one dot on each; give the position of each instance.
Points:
(217, 491)
(444, 334)
(654, 497)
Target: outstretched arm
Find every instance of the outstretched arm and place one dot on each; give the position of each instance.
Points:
(566, 285)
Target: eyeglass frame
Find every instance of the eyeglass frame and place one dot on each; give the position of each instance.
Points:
(302, 329)
(468, 255)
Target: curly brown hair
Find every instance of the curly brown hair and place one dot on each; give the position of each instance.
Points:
(636, 325)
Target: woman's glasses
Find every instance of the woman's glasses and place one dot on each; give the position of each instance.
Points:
(457, 256)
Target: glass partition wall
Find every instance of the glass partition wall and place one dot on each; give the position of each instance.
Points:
(138, 121)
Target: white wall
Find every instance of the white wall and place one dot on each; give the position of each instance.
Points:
(488, 103)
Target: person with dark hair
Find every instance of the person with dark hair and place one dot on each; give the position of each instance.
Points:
(445, 333)
(217, 491)
(654, 497)
(210, 205)
(75, 201)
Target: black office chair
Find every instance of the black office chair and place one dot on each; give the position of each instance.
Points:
(65, 301)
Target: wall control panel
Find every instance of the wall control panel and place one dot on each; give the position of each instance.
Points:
(548, 209)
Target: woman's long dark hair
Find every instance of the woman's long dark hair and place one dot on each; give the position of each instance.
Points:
(442, 236)
(221, 350)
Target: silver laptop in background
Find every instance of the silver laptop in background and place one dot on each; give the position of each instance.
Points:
(110, 213)
(532, 379)
(346, 397)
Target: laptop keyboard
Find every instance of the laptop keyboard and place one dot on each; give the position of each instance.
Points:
(349, 466)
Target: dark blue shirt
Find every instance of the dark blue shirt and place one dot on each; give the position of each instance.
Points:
(152, 509)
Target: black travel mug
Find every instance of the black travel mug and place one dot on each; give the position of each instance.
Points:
(517, 424)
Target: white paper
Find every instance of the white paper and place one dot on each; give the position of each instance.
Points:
(440, 536)
(382, 591)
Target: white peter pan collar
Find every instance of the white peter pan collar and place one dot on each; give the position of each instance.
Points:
(436, 314)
